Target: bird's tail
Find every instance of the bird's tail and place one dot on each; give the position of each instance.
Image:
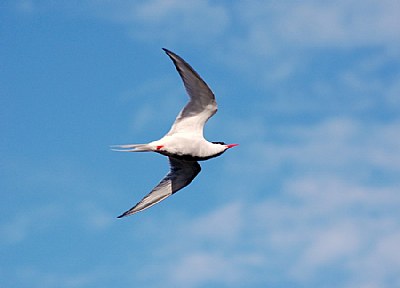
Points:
(132, 148)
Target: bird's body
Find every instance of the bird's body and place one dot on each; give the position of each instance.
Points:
(184, 144)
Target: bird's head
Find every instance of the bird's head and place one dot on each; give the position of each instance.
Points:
(224, 145)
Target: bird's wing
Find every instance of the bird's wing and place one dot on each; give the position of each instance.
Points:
(202, 104)
(180, 175)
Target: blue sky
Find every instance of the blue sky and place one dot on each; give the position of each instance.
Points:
(310, 90)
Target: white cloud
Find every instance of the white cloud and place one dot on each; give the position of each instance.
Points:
(328, 246)
(316, 23)
(383, 259)
(171, 21)
(245, 31)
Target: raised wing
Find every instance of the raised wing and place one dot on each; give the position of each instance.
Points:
(180, 175)
(202, 104)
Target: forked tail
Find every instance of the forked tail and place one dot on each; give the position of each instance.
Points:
(132, 148)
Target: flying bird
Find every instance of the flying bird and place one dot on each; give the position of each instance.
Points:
(184, 144)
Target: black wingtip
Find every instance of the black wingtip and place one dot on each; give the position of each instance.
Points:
(170, 53)
(122, 215)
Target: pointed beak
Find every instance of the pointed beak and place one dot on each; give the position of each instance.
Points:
(231, 145)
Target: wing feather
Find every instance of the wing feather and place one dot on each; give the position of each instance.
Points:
(180, 175)
(201, 105)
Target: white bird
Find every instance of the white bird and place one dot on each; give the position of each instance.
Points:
(184, 144)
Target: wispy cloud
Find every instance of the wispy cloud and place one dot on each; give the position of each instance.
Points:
(19, 228)
(322, 224)
(63, 184)
(312, 194)
(30, 276)
(159, 92)
(172, 21)
(332, 216)
(309, 23)
(25, 6)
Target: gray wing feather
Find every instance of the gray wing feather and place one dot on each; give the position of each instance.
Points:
(180, 175)
(202, 104)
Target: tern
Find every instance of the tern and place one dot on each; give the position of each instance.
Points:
(184, 144)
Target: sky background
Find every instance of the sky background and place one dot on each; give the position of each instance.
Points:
(310, 90)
